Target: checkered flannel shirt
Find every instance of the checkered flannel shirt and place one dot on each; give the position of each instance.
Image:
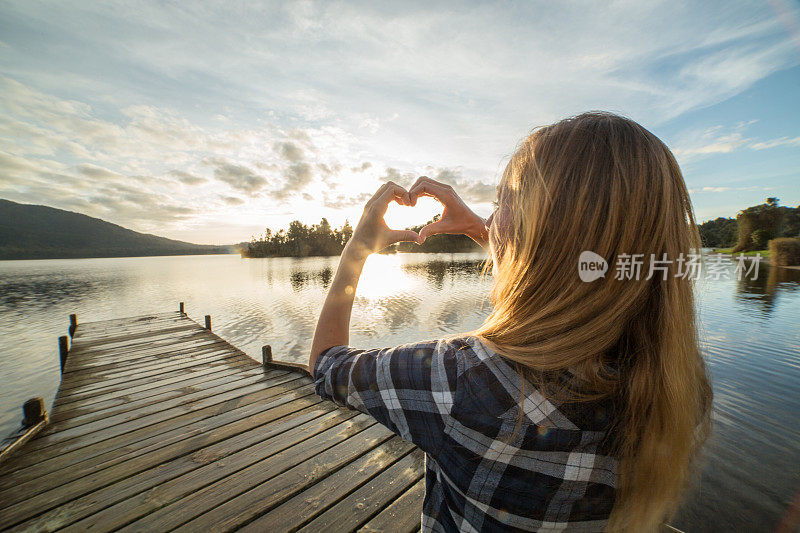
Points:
(459, 402)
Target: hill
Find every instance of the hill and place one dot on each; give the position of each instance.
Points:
(40, 232)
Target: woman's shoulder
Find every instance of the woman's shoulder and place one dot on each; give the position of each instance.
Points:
(451, 347)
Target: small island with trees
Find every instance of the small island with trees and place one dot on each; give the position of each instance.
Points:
(321, 239)
(768, 229)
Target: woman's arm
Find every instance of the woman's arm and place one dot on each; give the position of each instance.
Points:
(371, 235)
(333, 326)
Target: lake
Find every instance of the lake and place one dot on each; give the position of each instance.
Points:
(751, 339)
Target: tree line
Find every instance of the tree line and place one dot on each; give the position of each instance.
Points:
(300, 240)
(753, 228)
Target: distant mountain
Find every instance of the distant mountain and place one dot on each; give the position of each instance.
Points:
(40, 232)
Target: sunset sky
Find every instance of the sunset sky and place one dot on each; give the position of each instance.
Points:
(208, 122)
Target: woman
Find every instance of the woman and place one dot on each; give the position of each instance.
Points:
(577, 405)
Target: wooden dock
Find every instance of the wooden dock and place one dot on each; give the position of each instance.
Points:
(159, 424)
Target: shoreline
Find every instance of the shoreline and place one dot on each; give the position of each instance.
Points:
(757, 258)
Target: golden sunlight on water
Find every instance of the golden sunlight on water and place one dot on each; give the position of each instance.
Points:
(383, 277)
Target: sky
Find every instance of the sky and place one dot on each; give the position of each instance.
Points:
(211, 121)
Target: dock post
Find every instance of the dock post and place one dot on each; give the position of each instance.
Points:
(33, 411)
(208, 322)
(63, 350)
(266, 355)
(73, 324)
(35, 419)
(180, 308)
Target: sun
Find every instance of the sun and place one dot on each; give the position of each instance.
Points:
(402, 217)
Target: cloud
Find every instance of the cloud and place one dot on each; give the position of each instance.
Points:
(404, 179)
(239, 177)
(289, 151)
(299, 172)
(232, 200)
(721, 140)
(12, 165)
(342, 201)
(364, 166)
(782, 141)
(728, 189)
(469, 189)
(295, 179)
(329, 170)
(98, 173)
(723, 144)
(187, 178)
(475, 191)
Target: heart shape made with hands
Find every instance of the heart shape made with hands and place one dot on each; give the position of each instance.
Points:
(405, 217)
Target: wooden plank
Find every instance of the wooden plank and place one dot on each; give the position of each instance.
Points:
(403, 515)
(76, 417)
(22, 482)
(118, 435)
(364, 503)
(306, 490)
(240, 433)
(122, 394)
(90, 331)
(211, 354)
(99, 324)
(198, 351)
(132, 342)
(149, 414)
(139, 354)
(56, 458)
(223, 355)
(111, 341)
(102, 327)
(201, 352)
(89, 497)
(120, 337)
(205, 502)
(185, 367)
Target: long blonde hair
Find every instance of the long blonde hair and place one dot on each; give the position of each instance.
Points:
(601, 182)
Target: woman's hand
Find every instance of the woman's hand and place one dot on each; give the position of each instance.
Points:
(456, 217)
(372, 234)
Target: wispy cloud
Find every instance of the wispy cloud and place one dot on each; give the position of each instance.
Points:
(721, 140)
(782, 141)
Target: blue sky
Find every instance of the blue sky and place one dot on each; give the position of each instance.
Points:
(208, 122)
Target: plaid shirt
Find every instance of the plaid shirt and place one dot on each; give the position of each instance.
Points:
(459, 402)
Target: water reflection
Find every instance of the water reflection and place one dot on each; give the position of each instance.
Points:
(749, 334)
(763, 291)
(437, 271)
(299, 279)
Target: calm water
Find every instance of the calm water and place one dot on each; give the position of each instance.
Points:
(750, 331)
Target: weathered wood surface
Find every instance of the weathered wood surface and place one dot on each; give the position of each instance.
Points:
(159, 425)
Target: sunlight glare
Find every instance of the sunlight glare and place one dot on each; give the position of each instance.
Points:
(383, 276)
(402, 217)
